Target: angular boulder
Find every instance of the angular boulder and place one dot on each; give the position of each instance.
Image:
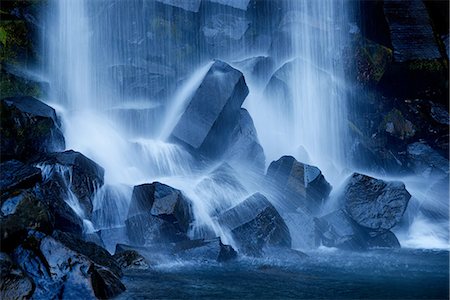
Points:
(14, 283)
(80, 174)
(259, 67)
(213, 111)
(255, 224)
(15, 176)
(375, 204)
(245, 146)
(28, 127)
(299, 184)
(59, 272)
(426, 161)
(158, 212)
(338, 230)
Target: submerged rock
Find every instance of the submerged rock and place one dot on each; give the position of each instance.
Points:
(375, 204)
(158, 212)
(208, 121)
(256, 224)
(300, 185)
(203, 250)
(131, 259)
(28, 127)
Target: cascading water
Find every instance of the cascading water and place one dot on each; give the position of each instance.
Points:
(119, 101)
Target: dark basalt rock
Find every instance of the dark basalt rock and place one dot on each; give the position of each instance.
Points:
(213, 112)
(256, 224)
(80, 174)
(245, 147)
(338, 230)
(14, 284)
(16, 175)
(25, 212)
(260, 67)
(375, 204)
(300, 185)
(158, 212)
(192, 5)
(426, 161)
(204, 250)
(28, 127)
(94, 252)
(131, 259)
(59, 272)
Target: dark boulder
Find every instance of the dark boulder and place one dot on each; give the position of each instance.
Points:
(158, 212)
(28, 127)
(256, 224)
(131, 259)
(25, 212)
(375, 204)
(16, 175)
(93, 251)
(14, 284)
(192, 5)
(80, 174)
(59, 272)
(213, 112)
(300, 185)
(259, 68)
(245, 146)
(338, 230)
(204, 250)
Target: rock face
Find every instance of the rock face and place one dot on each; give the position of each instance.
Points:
(256, 224)
(16, 175)
(375, 204)
(213, 112)
(80, 174)
(409, 23)
(58, 271)
(28, 127)
(426, 161)
(158, 213)
(300, 185)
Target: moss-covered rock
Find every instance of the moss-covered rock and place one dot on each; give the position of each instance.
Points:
(396, 124)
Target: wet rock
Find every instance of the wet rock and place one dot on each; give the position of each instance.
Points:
(338, 230)
(192, 6)
(93, 251)
(131, 259)
(204, 250)
(245, 146)
(213, 112)
(28, 212)
(16, 175)
(59, 272)
(256, 224)
(409, 22)
(396, 124)
(14, 284)
(426, 161)
(440, 114)
(300, 185)
(239, 4)
(28, 127)
(375, 204)
(303, 229)
(158, 212)
(80, 174)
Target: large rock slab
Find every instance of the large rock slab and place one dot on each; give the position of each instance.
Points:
(204, 250)
(411, 30)
(256, 224)
(299, 184)
(375, 204)
(80, 174)
(213, 111)
(157, 213)
(59, 272)
(28, 127)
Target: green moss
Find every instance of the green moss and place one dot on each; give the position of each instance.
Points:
(15, 40)
(434, 65)
(13, 86)
(372, 60)
(397, 125)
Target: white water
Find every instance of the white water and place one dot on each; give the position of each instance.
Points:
(94, 47)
